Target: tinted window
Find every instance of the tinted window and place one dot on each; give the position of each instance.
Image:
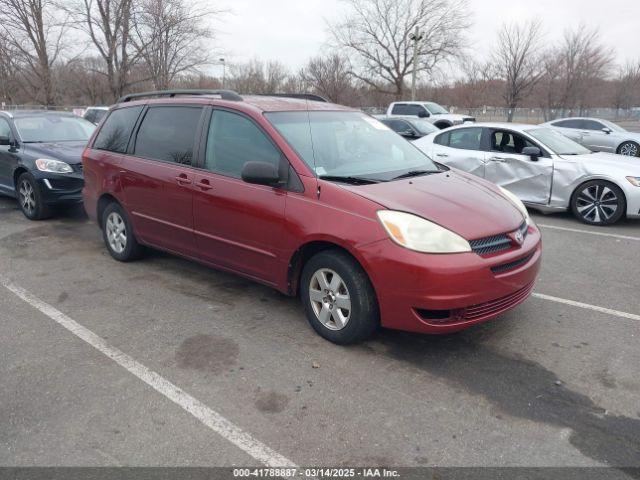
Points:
(399, 126)
(508, 142)
(168, 134)
(5, 130)
(98, 115)
(90, 115)
(407, 109)
(567, 124)
(442, 139)
(234, 140)
(591, 125)
(115, 132)
(466, 138)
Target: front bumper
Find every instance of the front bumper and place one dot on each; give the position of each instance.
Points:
(60, 189)
(447, 293)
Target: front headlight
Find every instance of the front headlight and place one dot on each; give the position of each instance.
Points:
(416, 233)
(53, 166)
(635, 181)
(516, 202)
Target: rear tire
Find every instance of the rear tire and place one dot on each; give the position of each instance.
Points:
(118, 235)
(598, 203)
(338, 298)
(629, 149)
(30, 198)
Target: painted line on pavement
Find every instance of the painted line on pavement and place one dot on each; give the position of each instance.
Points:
(586, 306)
(589, 232)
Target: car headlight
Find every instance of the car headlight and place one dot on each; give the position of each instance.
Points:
(635, 181)
(416, 233)
(53, 166)
(516, 202)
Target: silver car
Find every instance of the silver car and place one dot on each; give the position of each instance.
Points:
(546, 170)
(598, 135)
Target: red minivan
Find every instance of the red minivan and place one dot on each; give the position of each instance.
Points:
(312, 199)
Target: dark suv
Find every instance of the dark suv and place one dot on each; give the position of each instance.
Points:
(40, 159)
(312, 199)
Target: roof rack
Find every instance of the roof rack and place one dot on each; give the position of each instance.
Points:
(300, 96)
(223, 94)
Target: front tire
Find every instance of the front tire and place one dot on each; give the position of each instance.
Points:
(598, 203)
(31, 199)
(118, 235)
(629, 149)
(338, 298)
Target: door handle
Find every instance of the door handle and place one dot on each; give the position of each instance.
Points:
(204, 185)
(443, 155)
(499, 159)
(183, 180)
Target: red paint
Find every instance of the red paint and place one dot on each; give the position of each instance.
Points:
(256, 231)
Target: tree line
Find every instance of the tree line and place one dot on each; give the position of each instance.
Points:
(92, 51)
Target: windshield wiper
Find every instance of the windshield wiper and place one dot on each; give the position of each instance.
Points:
(349, 179)
(416, 173)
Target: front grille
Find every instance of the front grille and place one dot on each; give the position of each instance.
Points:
(496, 243)
(506, 267)
(496, 307)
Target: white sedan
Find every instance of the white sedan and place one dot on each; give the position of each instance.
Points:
(546, 170)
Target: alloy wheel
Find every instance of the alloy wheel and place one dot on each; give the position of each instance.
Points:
(116, 232)
(27, 197)
(330, 299)
(629, 149)
(597, 203)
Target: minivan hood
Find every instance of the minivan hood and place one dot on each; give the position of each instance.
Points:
(464, 204)
(70, 152)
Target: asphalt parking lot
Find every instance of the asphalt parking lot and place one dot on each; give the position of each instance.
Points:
(553, 383)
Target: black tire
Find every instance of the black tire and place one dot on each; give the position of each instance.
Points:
(364, 316)
(131, 250)
(30, 198)
(629, 149)
(593, 202)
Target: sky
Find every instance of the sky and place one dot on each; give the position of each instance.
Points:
(291, 31)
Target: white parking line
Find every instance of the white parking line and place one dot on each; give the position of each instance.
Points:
(590, 232)
(206, 415)
(586, 306)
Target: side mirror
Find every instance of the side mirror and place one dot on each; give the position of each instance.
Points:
(408, 134)
(533, 152)
(5, 141)
(423, 114)
(607, 130)
(261, 173)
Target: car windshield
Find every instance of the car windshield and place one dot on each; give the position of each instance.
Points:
(424, 127)
(53, 128)
(557, 143)
(349, 144)
(435, 109)
(612, 126)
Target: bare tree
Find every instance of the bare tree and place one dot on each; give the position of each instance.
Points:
(259, 77)
(170, 38)
(626, 87)
(34, 32)
(109, 25)
(329, 76)
(517, 61)
(379, 33)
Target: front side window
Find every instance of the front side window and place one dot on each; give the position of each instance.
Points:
(466, 138)
(234, 140)
(508, 142)
(349, 144)
(115, 132)
(53, 128)
(168, 134)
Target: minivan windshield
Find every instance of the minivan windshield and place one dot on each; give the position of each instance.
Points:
(349, 145)
(53, 128)
(557, 143)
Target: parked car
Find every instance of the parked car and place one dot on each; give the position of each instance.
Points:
(40, 159)
(411, 128)
(95, 114)
(546, 170)
(599, 135)
(432, 112)
(312, 199)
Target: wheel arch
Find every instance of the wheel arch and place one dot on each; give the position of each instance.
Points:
(103, 202)
(16, 175)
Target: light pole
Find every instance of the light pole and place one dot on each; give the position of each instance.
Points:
(417, 38)
(224, 71)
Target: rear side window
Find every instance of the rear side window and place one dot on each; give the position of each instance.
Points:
(568, 124)
(407, 109)
(114, 134)
(234, 140)
(591, 125)
(442, 139)
(168, 134)
(466, 138)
